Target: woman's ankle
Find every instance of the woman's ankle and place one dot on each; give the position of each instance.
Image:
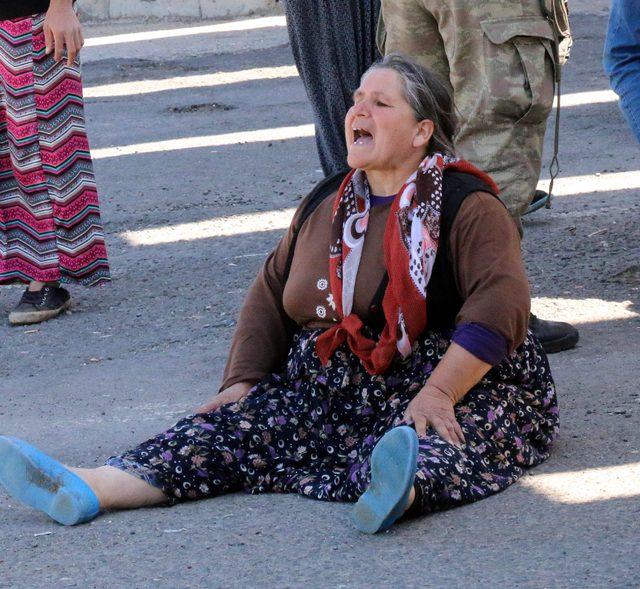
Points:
(37, 286)
(92, 478)
(117, 489)
(414, 505)
(412, 498)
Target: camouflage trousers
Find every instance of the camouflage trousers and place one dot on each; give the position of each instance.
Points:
(497, 58)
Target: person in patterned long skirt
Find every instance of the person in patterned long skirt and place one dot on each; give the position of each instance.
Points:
(381, 356)
(50, 229)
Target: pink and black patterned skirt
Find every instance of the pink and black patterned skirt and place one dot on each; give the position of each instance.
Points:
(50, 227)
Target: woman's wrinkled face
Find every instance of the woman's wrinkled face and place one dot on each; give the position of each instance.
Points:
(380, 128)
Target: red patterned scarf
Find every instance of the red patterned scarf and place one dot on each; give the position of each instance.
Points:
(410, 246)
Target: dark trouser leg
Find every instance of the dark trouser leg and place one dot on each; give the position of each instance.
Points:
(333, 43)
(242, 446)
(448, 477)
(507, 429)
(196, 458)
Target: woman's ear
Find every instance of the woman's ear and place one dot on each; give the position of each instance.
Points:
(424, 133)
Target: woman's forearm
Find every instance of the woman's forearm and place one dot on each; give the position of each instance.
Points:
(457, 373)
(434, 405)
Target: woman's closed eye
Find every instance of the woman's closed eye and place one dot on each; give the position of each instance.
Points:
(358, 100)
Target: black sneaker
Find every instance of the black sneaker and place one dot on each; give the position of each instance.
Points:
(555, 336)
(41, 305)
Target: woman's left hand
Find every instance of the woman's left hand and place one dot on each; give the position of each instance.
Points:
(62, 30)
(431, 407)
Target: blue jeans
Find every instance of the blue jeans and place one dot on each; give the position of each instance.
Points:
(622, 58)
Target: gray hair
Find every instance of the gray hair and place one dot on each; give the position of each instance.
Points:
(427, 96)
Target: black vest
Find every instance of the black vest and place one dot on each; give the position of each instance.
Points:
(443, 299)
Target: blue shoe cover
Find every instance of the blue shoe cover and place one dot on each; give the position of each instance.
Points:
(393, 470)
(43, 483)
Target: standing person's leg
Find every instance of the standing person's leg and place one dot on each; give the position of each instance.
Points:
(48, 201)
(499, 64)
(411, 29)
(27, 235)
(68, 168)
(333, 43)
(498, 61)
(622, 58)
(502, 73)
(26, 230)
(504, 98)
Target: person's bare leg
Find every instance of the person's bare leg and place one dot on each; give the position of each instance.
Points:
(412, 498)
(35, 286)
(117, 489)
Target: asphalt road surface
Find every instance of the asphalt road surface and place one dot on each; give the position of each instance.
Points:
(202, 145)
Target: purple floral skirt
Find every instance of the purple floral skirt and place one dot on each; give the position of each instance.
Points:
(311, 430)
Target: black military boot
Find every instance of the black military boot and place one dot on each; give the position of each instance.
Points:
(555, 336)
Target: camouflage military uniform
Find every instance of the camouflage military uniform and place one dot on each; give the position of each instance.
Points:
(497, 58)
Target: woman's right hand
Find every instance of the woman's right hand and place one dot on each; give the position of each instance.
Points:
(62, 30)
(232, 394)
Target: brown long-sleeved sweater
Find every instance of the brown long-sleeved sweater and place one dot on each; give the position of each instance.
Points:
(484, 254)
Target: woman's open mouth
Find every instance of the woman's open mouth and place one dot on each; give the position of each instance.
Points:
(362, 137)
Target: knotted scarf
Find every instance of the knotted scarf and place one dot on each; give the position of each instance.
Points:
(410, 246)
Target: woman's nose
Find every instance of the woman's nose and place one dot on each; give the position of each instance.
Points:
(360, 109)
